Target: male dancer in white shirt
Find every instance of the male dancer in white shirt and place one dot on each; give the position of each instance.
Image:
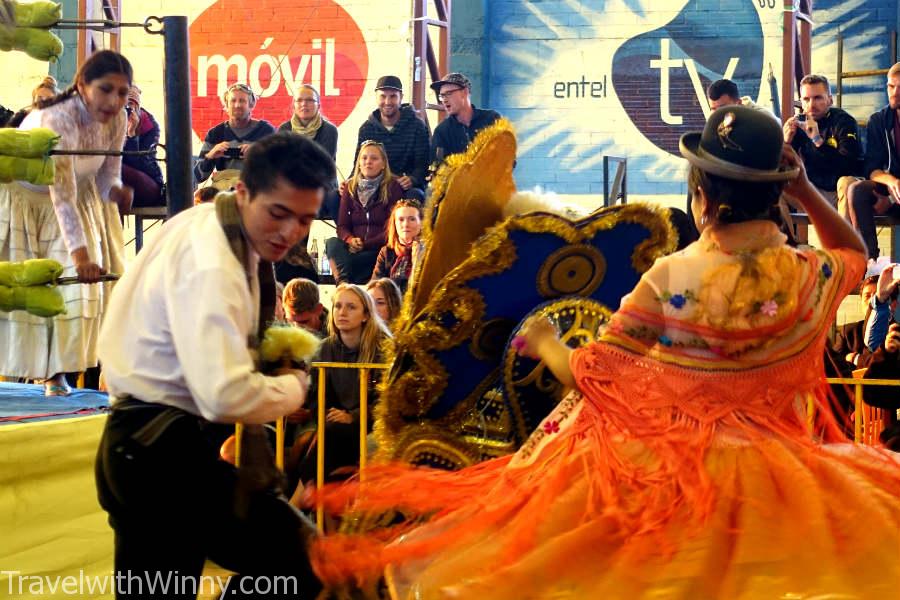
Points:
(174, 349)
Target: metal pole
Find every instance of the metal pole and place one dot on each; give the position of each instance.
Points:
(840, 69)
(179, 177)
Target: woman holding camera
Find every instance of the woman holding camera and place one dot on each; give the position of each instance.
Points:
(142, 172)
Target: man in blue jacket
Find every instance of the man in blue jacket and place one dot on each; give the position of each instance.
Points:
(403, 134)
(463, 121)
(880, 193)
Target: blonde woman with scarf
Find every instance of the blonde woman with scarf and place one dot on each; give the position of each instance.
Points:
(307, 120)
(365, 209)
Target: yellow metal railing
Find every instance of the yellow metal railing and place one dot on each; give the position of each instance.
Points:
(865, 418)
(321, 367)
(364, 369)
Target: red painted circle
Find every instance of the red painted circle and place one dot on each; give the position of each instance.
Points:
(301, 41)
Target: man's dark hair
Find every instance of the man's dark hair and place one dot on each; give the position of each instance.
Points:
(813, 79)
(722, 87)
(296, 159)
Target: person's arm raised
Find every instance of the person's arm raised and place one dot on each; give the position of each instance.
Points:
(834, 231)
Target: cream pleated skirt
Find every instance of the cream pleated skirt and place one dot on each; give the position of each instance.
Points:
(37, 347)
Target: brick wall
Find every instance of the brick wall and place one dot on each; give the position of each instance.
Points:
(544, 57)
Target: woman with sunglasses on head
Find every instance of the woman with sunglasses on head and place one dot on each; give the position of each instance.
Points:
(365, 209)
(697, 455)
(74, 221)
(397, 258)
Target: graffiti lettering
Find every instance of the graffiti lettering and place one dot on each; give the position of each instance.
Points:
(278, 67)
(580, 89)
(664, 63)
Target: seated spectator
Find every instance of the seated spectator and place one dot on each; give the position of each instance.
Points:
(886, 365)
(387, 298)
(724, 92)
(225, 144)
(307, 120)
(404, 135)
(464, 120)
(142, 173)
(303, 308)
(204, 194)
(880, 193)
(45, 90)
(855, 342)
(854, 345)
(404, 247)
(684, 227)
(356, 333)
(366, 206)
(297, 264)
(825, 137)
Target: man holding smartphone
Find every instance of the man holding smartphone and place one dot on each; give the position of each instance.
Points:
(880, 193)
(825, 137)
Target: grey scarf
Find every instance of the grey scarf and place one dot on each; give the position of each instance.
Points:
(366, 188)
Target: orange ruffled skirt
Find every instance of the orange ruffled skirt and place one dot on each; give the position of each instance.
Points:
(741, 505)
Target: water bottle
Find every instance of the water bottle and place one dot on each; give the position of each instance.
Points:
(314, 254)
(326, 266)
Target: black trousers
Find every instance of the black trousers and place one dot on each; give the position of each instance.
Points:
(862, 201)
(173, 503)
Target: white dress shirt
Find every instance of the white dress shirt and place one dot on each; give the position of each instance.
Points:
(176, 329)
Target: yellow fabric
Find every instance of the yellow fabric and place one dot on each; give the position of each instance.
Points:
(51, 524)
(310, 129)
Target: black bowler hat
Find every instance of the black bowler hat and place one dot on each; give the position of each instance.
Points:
(739, 143)
(389, 82)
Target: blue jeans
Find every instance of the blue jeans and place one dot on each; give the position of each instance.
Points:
(350, 267)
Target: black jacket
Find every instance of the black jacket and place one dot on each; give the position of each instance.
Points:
(223, 133)
(406, 144)
(884, 365)
(452, 137)
(881, 153)
(840, 154)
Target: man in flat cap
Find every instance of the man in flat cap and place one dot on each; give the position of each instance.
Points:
(463, 121)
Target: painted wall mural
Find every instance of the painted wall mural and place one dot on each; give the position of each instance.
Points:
(627, 77)
(324, 47)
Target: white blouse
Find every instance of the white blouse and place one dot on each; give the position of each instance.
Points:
(79, 131)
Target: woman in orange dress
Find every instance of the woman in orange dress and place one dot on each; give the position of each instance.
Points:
(684, 463)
